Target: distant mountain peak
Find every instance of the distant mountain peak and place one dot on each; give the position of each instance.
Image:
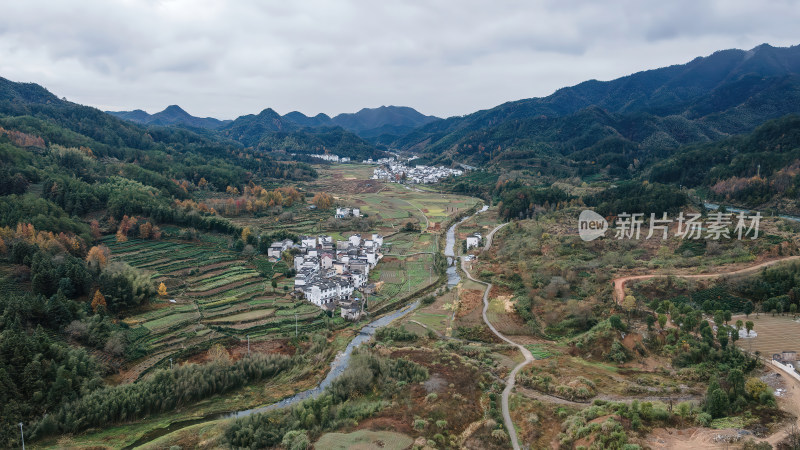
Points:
(268, 112)
(174, 109)
(171, 115)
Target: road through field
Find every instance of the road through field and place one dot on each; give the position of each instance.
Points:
(512, 432)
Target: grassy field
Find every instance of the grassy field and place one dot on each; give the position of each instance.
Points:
(392, 204)
(504, 317)
(364, 440)
(773, 334)
(397, 279)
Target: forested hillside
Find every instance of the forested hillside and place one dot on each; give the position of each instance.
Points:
(68, 175)
(617, 125)
(753, 169)
(268, 131)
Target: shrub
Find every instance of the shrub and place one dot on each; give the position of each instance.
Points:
(618, 353)
(296, 440)
(703, 419)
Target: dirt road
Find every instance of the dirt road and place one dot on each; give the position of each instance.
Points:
(704, 438)
(619, 283)
(512, 377)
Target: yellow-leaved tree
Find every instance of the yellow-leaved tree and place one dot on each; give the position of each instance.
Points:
(98, 257)
(162, 289)
(98, 301)
(322, 200)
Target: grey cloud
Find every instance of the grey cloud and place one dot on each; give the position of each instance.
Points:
(443, 57)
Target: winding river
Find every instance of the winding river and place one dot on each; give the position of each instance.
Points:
(453, 278)
(338, 366)
(732, 209)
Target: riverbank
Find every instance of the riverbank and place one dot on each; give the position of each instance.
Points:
(338, 366)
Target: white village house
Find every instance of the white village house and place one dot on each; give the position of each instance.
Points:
(345, 213)
(395, 171)
(473, 240)
(277, 248)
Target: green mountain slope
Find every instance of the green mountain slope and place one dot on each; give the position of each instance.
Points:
(758, 169)
(627, 119)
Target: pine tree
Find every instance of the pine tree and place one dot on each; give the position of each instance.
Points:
(736, 382)
(717, 403)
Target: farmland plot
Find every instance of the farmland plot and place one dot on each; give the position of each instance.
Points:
(772, 334)
(217, 295)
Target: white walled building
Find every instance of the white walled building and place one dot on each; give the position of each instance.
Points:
(308, 241)
(473, 240)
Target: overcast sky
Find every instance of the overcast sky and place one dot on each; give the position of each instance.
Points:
(225, 59)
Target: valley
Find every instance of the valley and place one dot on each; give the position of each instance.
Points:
(613, 266)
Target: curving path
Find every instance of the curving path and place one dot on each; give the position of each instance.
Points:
(512, 377)
(619, 283)
(427, 222)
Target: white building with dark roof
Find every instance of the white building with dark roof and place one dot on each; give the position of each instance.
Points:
(473, 240)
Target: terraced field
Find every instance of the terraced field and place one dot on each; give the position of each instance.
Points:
(213, 294)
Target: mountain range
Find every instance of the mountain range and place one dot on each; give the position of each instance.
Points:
(619, 121)
(367, 123)
(172, 115)
(611, 127)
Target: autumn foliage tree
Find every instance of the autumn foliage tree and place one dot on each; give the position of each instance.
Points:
(123, 229)
(98, 257)
(98, 301)
(322, 200)
(162, 289)
(145, 230)
(94, 226)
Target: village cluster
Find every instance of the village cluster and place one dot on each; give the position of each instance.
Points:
(331, 158)
(329, 272)
(394, 171)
